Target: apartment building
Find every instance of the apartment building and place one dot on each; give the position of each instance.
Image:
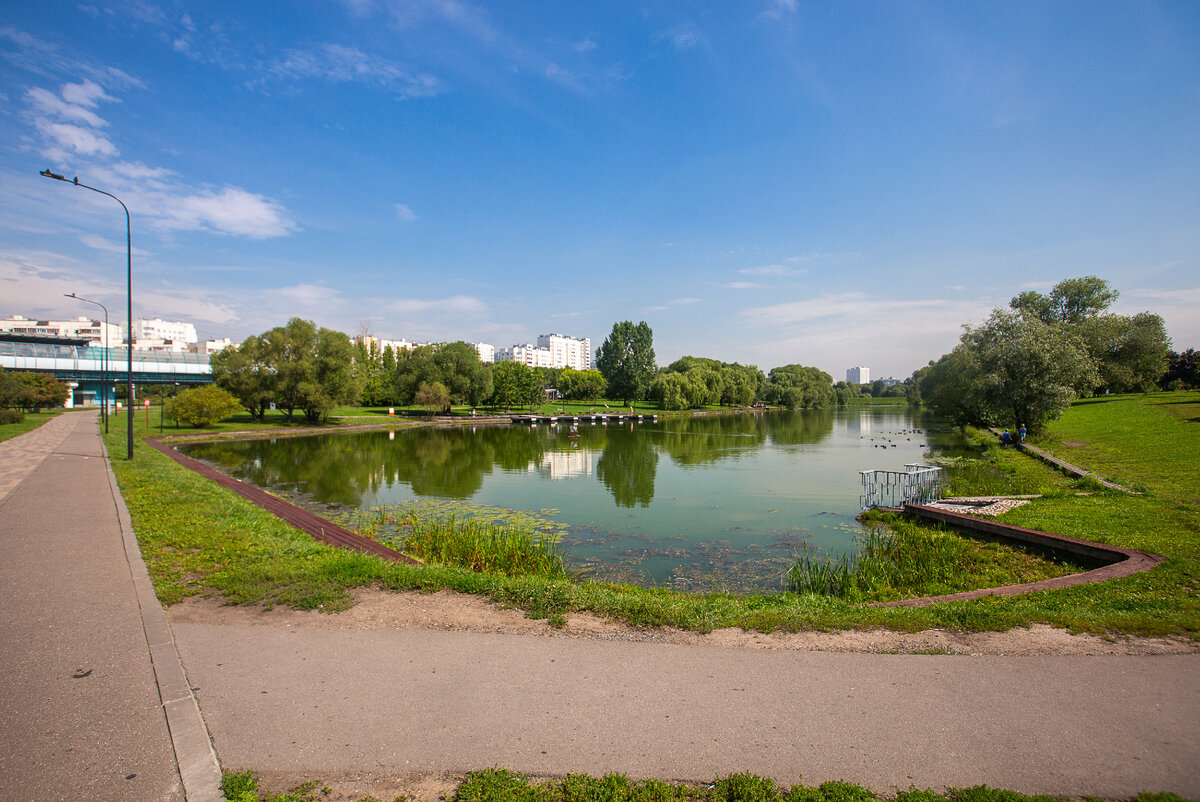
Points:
(96, 331)
(567, 352)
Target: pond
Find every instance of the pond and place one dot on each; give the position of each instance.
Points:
(719, 502)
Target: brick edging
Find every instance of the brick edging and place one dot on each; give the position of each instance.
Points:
(1118, 561)
(319, 528)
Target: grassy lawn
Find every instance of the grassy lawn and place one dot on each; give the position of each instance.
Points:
(200, 540)
(31, 422)
(502, 785)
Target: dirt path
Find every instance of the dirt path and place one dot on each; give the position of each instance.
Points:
(449, 611)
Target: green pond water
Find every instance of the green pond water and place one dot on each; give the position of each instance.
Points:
(718, 502)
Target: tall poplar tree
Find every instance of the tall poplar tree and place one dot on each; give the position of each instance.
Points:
(626, 360)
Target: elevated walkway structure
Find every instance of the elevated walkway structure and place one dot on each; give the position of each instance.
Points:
(82, 366)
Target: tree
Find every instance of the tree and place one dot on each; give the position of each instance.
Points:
(797, 386)
(515, 384)
(246, 373)
(201, 406)
(1028, 371)
(626, 360)
(31, 391)
(1071, 301)
(1183, 370)
(434, 397)
(581, 385)
(1128, 353)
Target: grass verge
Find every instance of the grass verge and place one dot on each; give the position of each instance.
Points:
(31, 421)
(198, 539)
(501, 785)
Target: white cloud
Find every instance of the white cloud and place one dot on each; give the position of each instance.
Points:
(101, 244)
(585, 45)
(456, 304)
(1176, 307)
(49, 104)
(836, 330)
(741, 285)
(405, 213)
(685, 301)
(772, 270)
(341, 64)
(68, 140)
(88, 93)
(230, 211)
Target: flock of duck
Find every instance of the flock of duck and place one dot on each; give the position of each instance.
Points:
(907, 434)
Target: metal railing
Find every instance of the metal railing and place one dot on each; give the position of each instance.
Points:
(916, 484)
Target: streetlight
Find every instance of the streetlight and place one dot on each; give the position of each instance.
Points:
(103, 356)
(128, 293)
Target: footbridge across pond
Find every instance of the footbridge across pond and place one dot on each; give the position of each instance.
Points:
(83, 367)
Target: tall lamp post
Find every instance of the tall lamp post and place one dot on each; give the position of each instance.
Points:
(103, 356)
(128, 293)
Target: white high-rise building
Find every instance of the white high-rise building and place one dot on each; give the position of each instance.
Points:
(858, 376)
(175, 331)
(567, 352)
(487, 353)
(527, 354)
(97, 331)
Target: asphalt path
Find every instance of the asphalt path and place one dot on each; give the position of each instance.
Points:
(94, 703)
(314, 700)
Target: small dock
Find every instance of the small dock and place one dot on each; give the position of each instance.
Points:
(608, 417)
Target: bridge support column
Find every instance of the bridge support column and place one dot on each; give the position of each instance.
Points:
(70, 402)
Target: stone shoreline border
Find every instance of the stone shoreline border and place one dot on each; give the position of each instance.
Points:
(1117, 561)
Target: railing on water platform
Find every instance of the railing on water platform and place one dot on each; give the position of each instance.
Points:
(916, 484)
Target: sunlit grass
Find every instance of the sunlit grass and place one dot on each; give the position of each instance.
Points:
(199, 539)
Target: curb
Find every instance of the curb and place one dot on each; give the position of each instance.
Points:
(194, 755)
(1117, 561)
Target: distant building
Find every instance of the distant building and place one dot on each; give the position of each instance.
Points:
(891, 381)
(163, 346)
(395, 345)
(567, 352)
(858, 376)
(526, 354)
(210, 346)
(96, 331)
(163, 331)
(487, 353)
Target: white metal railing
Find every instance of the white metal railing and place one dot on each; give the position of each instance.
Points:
(916, 484)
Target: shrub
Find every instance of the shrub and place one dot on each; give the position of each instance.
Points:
(11, 416)
(201, 406)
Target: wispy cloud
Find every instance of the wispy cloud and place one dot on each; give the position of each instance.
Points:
(772, 270)
(741, 285)
(585, 45)
(72, 132)
(685, 36)
(340, 64)
(405, 213)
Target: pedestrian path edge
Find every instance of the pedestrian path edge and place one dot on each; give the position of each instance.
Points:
(194, 753)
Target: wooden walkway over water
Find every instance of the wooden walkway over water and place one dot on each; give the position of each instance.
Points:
(610, 417)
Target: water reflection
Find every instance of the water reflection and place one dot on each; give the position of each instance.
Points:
(452, 463)
(687, 501)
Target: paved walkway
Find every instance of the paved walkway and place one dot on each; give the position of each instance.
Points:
(81, 715)
(89, 676)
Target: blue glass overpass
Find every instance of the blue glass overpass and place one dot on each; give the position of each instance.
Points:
(83, 366)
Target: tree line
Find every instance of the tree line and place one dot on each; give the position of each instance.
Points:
(1024, 365)
(1028, 362)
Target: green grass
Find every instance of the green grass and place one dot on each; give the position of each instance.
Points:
(32, 421)
(201, 540)
(501, 785)
(900, 559)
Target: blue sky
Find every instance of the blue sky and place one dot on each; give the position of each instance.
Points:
(768, 182)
